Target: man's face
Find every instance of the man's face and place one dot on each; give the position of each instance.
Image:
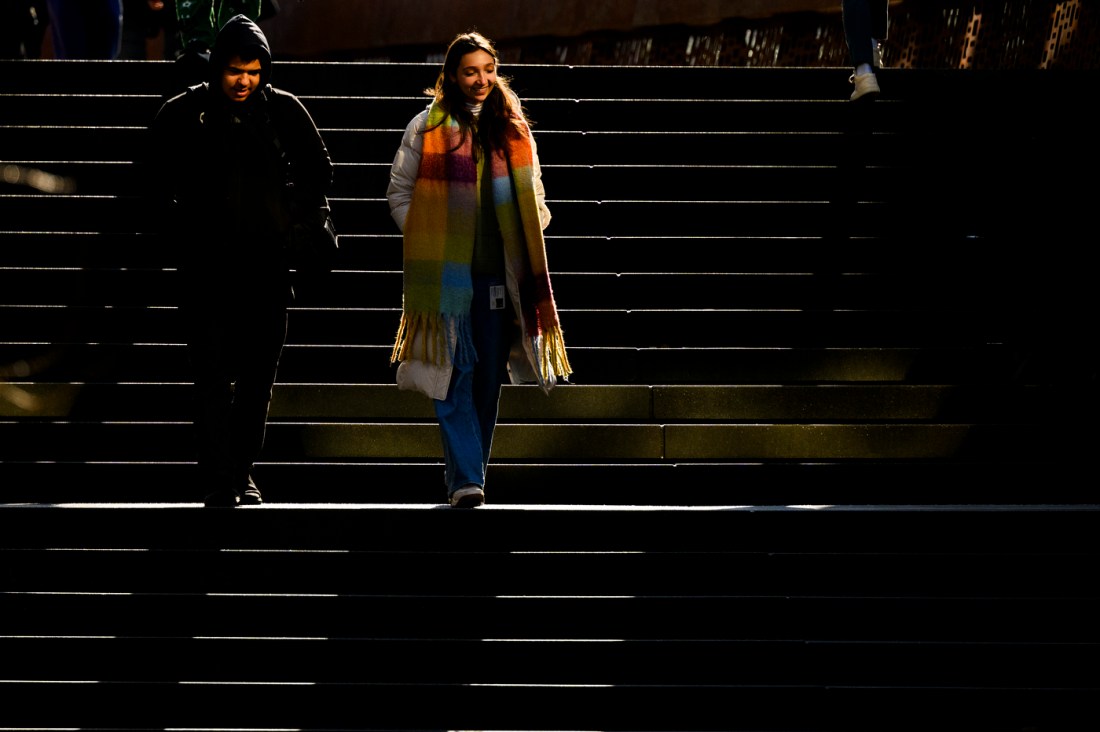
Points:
(240, 78)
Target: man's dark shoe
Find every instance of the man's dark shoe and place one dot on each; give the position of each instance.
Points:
(251, 495)
(225, 498)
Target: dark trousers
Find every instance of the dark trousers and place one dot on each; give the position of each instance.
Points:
(234, 352)
(864, 20)
(86, 29)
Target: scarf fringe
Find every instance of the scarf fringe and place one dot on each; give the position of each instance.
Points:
(421, 336)
(433, 338)
(552, 356)
(438, 338)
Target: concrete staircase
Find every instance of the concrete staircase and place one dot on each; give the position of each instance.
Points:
(823, 464)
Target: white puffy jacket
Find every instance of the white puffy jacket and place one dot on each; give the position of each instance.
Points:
(431, 379)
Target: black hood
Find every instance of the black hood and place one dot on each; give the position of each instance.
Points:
(240, 37)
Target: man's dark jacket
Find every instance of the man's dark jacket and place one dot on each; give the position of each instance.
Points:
(225, 174)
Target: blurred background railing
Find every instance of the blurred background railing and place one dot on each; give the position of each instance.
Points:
(933, 34)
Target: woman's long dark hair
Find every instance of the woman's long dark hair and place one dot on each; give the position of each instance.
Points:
(502, 108)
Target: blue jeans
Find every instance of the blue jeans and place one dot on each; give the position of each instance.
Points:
(863, 20)
(468, 416)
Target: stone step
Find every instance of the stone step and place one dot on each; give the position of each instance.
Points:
(643, 608)
(389, 706)
(942, 404)
(132, 287)
(29, 362)
(1022, 479)
(592, 328)
(566, 442)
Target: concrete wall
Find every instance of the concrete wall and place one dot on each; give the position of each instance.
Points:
(325, 27)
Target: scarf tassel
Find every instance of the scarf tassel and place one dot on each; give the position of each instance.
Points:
(433, 338)
(552, 357)
(421, 336)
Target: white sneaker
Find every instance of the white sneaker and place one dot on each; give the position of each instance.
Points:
(866, 84)
(468, 496)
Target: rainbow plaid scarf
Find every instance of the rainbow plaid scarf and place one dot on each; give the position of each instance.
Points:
(439, 240)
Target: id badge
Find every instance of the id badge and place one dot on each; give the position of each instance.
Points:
(496, 297)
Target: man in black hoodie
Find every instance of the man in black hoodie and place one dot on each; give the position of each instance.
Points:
(231, 156)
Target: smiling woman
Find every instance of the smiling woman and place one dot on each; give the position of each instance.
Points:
(466, 191)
